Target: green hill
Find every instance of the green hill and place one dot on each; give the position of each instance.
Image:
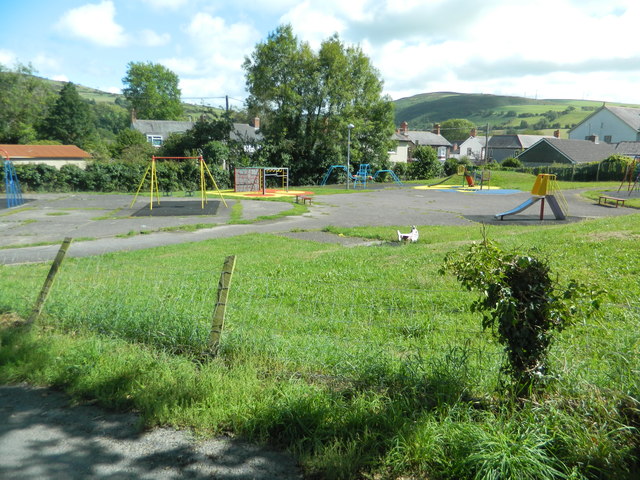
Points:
(98, 96)
(499, 112)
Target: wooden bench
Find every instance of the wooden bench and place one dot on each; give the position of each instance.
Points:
(303, 199)
(602, 200)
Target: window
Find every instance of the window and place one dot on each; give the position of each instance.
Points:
(607, 138)
(155, 140)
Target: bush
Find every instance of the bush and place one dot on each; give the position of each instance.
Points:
(425, 164)
(451, 165)
(512, 163)
(522, 304)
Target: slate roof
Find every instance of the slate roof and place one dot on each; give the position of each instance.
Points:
(419, 137)
(241, 132)
(44, 151)
(514, 141)
(631, 149)
(576, 151)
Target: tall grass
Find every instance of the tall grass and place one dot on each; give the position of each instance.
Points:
(360, 361)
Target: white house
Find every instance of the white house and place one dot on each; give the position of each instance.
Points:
(401, 152)
(610, 125)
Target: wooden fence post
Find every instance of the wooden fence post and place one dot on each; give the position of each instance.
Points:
(224, 285)
(44, 292)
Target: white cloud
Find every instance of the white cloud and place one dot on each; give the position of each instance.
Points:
(60, 78)
(149, 38)
(7, 58)
(166, 4)
(181, 66)
(95, 23)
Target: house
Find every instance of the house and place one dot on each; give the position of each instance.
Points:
(409, 139)
(54, 155)
(157, 131)
(609, 124)
(474, 147)
(403, 147)
(548, 151)
(508, 146)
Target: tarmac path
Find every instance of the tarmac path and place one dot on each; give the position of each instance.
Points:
(105, 223)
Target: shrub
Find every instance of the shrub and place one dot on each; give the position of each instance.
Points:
(521, 304)
(512, 163)
(425, 164)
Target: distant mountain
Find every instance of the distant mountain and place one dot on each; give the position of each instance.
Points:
(422, 111)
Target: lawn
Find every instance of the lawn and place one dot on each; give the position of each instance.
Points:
(362, 362)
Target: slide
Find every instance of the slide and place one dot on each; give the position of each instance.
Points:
(519, 208)
(552, 201)
(441, 181)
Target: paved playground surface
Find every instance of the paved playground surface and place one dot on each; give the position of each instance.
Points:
(107, 223)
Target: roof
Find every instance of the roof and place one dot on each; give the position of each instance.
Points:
(631, 149)
(427, 138)
(161, 127)
(44, 151)
(514, 141)
(577, 151)
(241, 131)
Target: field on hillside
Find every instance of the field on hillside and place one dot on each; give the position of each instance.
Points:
(499, 112)
(363, 362)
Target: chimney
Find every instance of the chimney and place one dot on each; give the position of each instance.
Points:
(404, 128)
(594, 139)
(436, 129)
(473, 132)
(556, 134)
(256, 123)
(133, 115)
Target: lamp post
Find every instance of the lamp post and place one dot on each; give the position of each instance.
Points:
(349, 127)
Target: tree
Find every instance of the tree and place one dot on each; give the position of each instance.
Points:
(425, 163)
(24, 101)
(456, 129)
(70, 120)
(152, 91)
(306, 100)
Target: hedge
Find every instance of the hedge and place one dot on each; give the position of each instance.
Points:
(114, 177)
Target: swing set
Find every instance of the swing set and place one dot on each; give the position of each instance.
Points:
(153, 180)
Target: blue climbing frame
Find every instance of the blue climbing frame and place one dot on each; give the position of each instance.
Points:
(326, 176)
(12, 185)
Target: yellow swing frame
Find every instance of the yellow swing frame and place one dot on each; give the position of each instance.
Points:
(153, 183)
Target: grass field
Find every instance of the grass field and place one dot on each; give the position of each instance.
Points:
(363, 362)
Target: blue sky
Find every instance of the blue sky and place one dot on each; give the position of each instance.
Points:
(578, 49)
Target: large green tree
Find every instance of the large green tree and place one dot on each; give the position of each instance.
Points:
(307, 99)
(456, 129)
(152, 91)
(23, 102)
(70, 120)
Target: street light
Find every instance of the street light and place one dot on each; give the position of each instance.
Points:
(349, 127)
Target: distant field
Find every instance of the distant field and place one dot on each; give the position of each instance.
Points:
(422, 111)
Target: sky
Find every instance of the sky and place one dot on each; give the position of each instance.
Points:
(560, 49)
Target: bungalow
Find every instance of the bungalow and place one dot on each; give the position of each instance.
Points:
(611, 124)
(502, 147)
(54, 155)
(548, 151)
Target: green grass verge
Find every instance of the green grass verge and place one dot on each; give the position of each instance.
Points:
(362, 362)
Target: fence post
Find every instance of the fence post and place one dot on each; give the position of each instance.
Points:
(44, 292)
(224, 285)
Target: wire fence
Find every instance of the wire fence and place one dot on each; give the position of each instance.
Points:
(321, 325)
